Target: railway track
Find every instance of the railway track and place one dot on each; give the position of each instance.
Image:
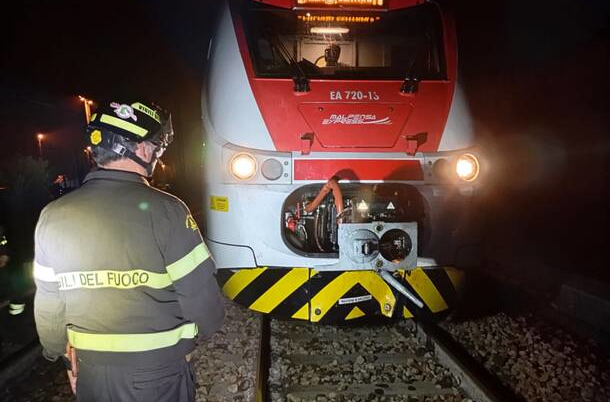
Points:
(254, 358)
(399, 361)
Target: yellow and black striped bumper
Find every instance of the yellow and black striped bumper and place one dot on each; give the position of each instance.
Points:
(335, 296)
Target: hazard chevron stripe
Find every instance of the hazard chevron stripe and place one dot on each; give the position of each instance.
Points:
(239, 280)
(279, 291)
(324, 300)
(303, 293)
(426, 290)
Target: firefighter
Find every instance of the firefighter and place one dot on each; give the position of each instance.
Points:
(14, 278)
(123, 276)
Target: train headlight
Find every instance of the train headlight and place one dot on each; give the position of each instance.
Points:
(243, 166)
(272, 169)
(467, 167)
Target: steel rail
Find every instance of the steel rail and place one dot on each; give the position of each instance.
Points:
(475, 379)
(263, 361)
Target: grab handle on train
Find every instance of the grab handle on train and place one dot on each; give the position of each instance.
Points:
(387, 276)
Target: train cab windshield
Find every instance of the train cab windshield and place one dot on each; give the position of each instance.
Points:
(346, 45)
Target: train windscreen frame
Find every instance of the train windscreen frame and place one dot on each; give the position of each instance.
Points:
(336, 45)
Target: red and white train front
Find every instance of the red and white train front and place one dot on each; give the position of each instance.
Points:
(340, 167)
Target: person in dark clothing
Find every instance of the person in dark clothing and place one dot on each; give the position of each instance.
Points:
(4, 257)
(13, 277)
(123, 276)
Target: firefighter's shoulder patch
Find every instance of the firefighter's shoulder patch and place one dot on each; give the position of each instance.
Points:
(190, 222)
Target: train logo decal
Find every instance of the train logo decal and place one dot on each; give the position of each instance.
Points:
(352, 119)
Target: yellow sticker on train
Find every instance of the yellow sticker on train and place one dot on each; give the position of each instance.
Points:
(218, 203)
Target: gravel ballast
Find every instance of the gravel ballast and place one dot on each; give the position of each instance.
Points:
(312, 362)
(225, 366)
(538, 360)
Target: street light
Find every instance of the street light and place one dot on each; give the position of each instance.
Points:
(40, 137)
(87, 152)
(87, 103)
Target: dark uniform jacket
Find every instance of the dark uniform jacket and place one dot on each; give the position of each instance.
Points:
(122, 272)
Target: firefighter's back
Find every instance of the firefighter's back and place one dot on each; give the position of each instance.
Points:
(108, 260)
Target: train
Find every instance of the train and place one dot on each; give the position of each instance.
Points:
(341, 168)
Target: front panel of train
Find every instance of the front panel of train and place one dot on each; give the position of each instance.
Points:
(340, 170)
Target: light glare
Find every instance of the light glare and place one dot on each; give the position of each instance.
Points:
(329, 30)
(362, 206)
(243, 166)
(342, 2)
(467, 167)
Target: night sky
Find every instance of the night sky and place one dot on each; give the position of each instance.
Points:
(54, 51)
(535, 74)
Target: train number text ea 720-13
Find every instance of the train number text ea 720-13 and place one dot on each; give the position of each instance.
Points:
(354, 95)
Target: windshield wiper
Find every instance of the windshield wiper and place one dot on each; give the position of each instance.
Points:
(301, 81)
(410, 84)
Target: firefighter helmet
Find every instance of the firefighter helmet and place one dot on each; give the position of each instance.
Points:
(115, 123)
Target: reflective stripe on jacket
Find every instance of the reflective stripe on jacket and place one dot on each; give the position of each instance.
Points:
(122, 272)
